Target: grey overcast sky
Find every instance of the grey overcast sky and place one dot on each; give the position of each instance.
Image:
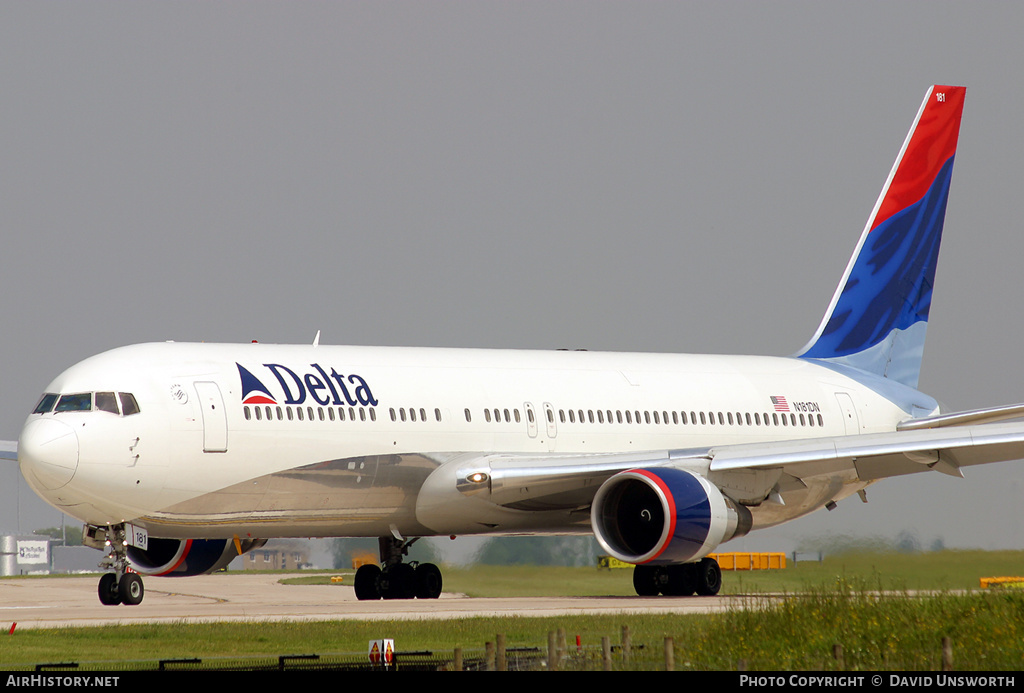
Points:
(641, 176)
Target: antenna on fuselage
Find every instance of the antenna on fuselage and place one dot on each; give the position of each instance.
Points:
(316, 340)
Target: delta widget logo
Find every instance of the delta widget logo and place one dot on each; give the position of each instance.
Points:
(317, 385)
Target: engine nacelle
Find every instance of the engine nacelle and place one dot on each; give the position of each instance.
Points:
(664, 515)
(187, 557)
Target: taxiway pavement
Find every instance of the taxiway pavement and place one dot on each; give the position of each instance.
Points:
(53, 602)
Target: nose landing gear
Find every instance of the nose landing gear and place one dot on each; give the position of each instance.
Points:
(123, 586)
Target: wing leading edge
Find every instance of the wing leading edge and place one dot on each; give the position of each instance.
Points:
(531, 482)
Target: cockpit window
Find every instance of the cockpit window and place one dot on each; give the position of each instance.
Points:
(89, 401)
(105, 401)
(77, 402)
(128, 404)
(45, 404)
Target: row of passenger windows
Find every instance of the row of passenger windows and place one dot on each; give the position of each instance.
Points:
(602, 416)
(570, 416)
(279, 413)
(88, 401)
(421, 413)
(709, 418)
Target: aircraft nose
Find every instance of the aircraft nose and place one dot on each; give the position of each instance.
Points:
(48, 452)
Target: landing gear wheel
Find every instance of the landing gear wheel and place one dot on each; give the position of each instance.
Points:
(709, 577)
(109, 594)
(131, 589)
(428, 581)
(682, 580)
(645, 581)
(366, 582)
(397, 581)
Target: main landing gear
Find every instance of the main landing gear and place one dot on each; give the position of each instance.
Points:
(121, 586)
(397, 580)
(679, 580)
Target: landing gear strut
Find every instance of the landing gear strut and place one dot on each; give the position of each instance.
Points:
(397, 580)
(679, 580)
(121, 586)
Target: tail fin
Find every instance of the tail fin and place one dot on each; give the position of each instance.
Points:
(878, 315)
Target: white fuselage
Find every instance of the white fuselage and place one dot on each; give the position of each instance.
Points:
(338, 441)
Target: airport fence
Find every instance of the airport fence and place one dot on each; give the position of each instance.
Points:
(667, 655)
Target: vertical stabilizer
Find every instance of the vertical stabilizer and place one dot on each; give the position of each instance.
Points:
(879, 313)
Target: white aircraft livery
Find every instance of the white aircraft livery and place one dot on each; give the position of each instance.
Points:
(179, 457)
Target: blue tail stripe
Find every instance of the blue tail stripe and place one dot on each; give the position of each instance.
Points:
(890, 285)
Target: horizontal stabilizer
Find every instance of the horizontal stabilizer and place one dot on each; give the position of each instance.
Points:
(9, 450)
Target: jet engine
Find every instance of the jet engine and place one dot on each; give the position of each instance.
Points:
(663, 515)
(187, 557)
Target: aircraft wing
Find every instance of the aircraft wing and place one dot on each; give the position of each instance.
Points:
(747, 472)
(9, 450)
(880, 455)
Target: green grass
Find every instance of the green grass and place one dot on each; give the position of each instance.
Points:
(838, 602)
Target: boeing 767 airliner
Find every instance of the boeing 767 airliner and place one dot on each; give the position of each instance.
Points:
(179, 457)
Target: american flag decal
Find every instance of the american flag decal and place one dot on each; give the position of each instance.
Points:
(780, 403)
